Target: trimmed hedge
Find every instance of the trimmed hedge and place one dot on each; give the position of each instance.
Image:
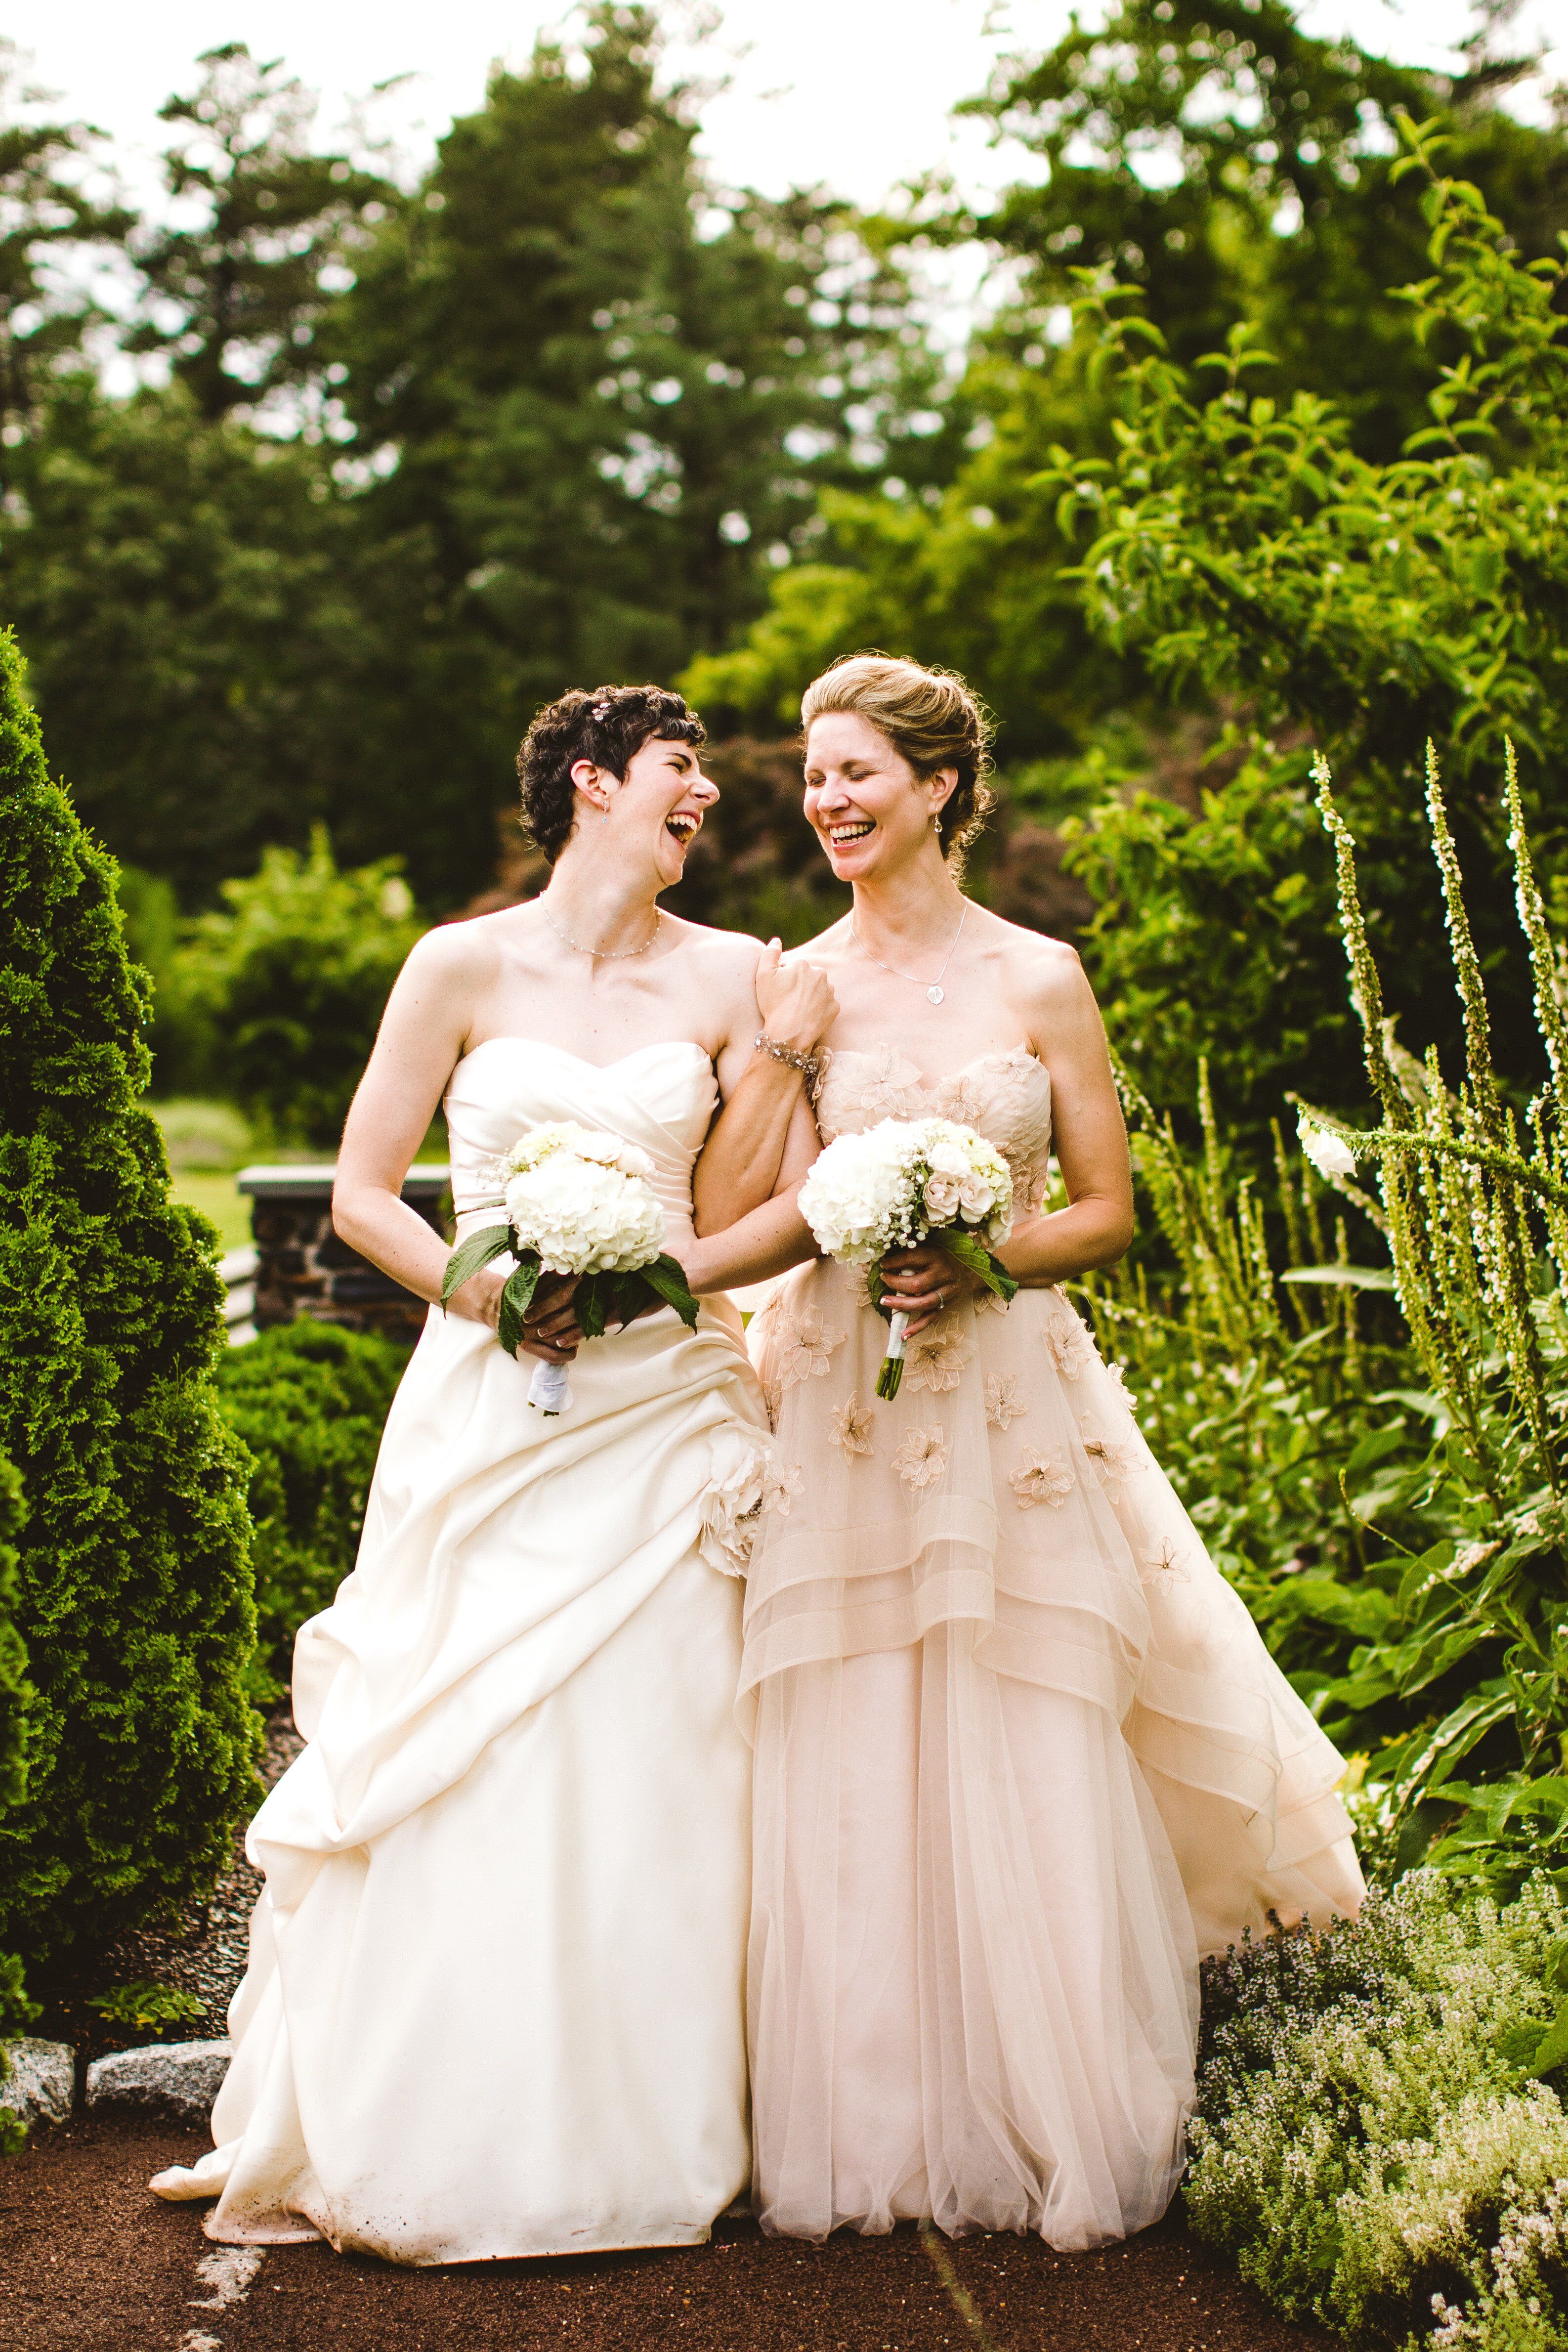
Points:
(133, 1596)
(16, 2010)
(308, 1402)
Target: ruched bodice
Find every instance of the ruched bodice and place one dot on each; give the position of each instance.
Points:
(661, 1097)
(494, 2004)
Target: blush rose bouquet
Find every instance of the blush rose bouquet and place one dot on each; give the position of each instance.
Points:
(909, 1180)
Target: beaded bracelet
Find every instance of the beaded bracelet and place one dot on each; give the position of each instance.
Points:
(807, 1063)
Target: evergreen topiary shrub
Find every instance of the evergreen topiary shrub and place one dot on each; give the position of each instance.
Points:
(16, 2010)
(133, 1585)
(309, 1400)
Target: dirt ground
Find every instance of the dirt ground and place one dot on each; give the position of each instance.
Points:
(91, 2262)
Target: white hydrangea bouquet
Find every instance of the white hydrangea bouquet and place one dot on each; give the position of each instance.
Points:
(906, 1181)
(576, 1202)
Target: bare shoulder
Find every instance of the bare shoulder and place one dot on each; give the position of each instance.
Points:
(734, 952)
(1044, 977)
(721, 965)
(454, 959)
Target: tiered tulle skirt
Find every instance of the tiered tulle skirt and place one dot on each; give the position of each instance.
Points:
(1021, 1758)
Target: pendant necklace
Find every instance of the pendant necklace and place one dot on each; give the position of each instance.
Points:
(933, 989)
(612, 955)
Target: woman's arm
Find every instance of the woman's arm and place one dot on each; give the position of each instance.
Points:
(769, 1241)
(421, 1039)
(1089, 1133)
(766, 1117)
(1090, 1139)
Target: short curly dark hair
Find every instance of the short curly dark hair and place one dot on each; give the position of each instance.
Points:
(608, 726)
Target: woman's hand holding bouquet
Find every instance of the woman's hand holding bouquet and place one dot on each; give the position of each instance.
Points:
(578, 1203)
(905, 1181)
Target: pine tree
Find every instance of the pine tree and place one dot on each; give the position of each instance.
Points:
(134, 1593)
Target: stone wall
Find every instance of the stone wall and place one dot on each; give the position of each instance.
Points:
(304, 1270)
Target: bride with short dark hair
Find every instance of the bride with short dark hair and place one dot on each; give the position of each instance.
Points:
(1020, 1755)
(496, 1998)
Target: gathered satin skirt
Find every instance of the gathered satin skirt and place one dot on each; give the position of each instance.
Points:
(496, 2002)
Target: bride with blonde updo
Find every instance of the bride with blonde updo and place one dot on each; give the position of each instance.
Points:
(1020, 1755)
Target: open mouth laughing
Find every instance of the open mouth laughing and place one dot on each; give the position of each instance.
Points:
(682, 827)
(853, 829)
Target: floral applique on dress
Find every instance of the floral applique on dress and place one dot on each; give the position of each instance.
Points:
(780, 1485)
(937, 1359)
(1168, 1566)
(1067, 1339)
(1041, 1478)
(1005, 1401)
(852, 1427)
(1118, 1458)
(802, 1345)
(922, 1458)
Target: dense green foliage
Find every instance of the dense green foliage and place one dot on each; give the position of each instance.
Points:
(1238, 548)
(14, 2008)
(287, 982)
(428, 456)
(1381, 2141)
(133, 1587)
(308, 1401)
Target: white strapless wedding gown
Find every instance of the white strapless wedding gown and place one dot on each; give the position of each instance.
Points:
(495, 1998)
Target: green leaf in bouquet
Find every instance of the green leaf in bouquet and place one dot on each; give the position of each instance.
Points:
(968, 1251)
(875, 1289)
(515, 1298)
(668, 1277)
(468, 1258)
(593, 1299)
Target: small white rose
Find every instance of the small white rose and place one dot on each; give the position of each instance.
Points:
(942, 1198)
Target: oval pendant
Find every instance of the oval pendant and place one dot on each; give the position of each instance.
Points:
(934, 996)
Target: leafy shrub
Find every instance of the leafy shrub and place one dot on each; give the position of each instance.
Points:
(133, 1585)
(1249, 553)
(1395, 1515)
(1374, 2143)
(1260, 1382)
(308, 1402)
(292, 976)
(143, 2004)
(16, 2010)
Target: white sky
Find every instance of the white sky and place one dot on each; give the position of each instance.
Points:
(856, 93)
(853, 94)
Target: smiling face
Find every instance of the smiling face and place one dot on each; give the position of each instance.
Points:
(868, 809)
(661, 801)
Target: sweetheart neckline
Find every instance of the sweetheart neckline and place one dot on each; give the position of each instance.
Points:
(546, 1045)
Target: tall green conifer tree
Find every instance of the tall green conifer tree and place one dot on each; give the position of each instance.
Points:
(133, 1595)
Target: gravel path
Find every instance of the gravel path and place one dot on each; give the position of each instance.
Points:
(92, 2264)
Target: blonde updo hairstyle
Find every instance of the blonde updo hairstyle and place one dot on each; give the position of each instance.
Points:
(931, 719)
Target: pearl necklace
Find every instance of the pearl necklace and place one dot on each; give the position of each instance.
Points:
(934, 991)
(611, 955)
